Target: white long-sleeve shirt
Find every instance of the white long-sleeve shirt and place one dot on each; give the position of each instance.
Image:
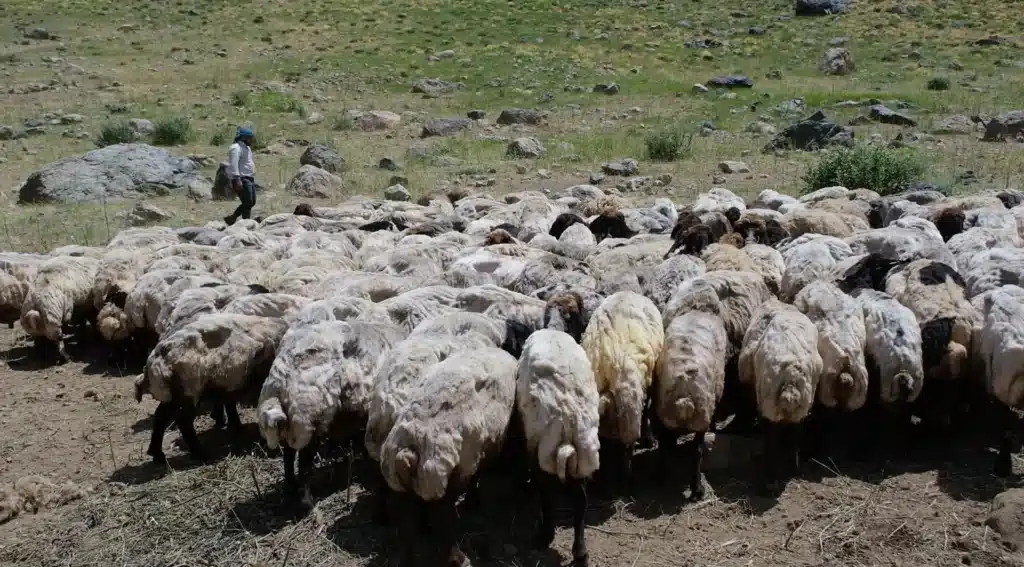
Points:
(240, 162)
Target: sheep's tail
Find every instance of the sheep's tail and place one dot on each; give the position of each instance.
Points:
(565, 458)
(685, 409)
(844, 386)
(32, 322)
(406, 463)
(790, 398)
(904, 387)
(272, 421)
(141, 387)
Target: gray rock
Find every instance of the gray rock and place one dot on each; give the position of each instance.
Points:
(112, 173)
(72, 119)
(435, 87)
(820, 7)
(519, 116)
(1006, 518)
(145, 213)
(377, 120)
(608, 89)
(323, 157)
(311, 181)
(39, 33)
(476, 114)
(731, 82)
(388, 164)
(955, 124)
(885, 115)
(733, 167)
(397, 193)
(6, 132)
(1006, 125)
(525, 148)
(141, 126)
(700, 89)
(838, 61)
(314, 118)
(596, 178)
(814, 133)
(200, 190)
(760, 127)
(623, 168)
(445, 126)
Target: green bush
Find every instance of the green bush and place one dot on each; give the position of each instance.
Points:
(938, 84)
(669, 144)
(219, 139)
(880, 169)
(172, 132)
(240, 98)
(116, 133)
(342, 123)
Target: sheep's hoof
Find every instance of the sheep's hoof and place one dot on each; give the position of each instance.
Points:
(697, 493)
(1004, 466)
(545, 536)
(158, 457)
(580, 560)
(456, 558)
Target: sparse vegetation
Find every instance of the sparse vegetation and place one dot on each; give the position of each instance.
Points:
(877, 168)
(938, 84)
(342, 123)
(172, 131)
(116, 133)
(669, 144)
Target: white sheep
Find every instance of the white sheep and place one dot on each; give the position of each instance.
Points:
(557, 403)
(267, 304)
(17, 271)
(892, 346)
(225, 354)
(319, 386)
(61, 294)
(688, 384)
(779, 361)
(623, 341)
(456, 421)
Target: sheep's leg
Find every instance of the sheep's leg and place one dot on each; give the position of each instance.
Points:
(288, 460)
(547, 485)
(647, 437)
(626, 465)
(380, 495)
(62, 353)
(306, 455)
(472, 500)
(234, 422)
(769, 469)
(696, 481)
(161, 419)
(1004, 460)
(444, 521)
(666, 449)
(185, 418)
(579, 511)
(408, 529)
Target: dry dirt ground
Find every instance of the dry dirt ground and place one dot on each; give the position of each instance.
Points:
(79, 423)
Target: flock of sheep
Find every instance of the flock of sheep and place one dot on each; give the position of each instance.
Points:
(554, 328)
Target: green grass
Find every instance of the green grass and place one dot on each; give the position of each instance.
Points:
(116, 133)
(880, 169)
(172, 131)
(669, 144)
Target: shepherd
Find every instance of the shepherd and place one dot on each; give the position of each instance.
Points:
(241, 170)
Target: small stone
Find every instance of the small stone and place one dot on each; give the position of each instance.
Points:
(525, 148)
(6, 132)
(521, 169)
(71, 119)
(544, 174)
(718, 180)
(388, 164)
(377, 120)
(623, 168)
(141, 126)
(700, 89)
(314, 118)
(596, 178)
(397, 193)
(608, 89)
(476, 114)
(837, 61)
(89, 394)
(519, 116)
(145, 213)
(733, 167)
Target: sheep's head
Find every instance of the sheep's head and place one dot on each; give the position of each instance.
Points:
(774, 232)
(498, 236)
(564, 312)
(878, 211)
(303, 210)
(697, 239)
(611, 224)
(509, 228)
(950, 222)
(563, 222)
(867, 273)
(751, 229)
(1010, 199)
(733, 214)
(733, 239)
(257, 289)
(687, 218)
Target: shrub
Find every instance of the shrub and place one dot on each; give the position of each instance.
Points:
(343, 123)
(172, 131)
(219, 139)
(240, 98)
(669, 144)
(116, 133)
(938, 84)
(880, 169)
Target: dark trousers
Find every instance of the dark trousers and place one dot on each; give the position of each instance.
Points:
(248, 198)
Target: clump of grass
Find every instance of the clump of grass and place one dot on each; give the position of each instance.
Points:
(938, 84)
(274, 101)
(240, 98)
(880, 169)
(172, 131)
(115, 133)
(219, 139)
(343, 123)
(669, 144)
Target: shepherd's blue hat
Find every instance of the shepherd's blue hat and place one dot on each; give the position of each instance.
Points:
(244, 131)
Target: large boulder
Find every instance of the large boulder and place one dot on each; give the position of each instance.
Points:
(820, 7)
(838, 61)
(1006, 125)
(445, 126)
(319, 155)
(813, 133)
(311, 181)
(375, 120)
(520, 116)
(1006, 518)
(113, 173)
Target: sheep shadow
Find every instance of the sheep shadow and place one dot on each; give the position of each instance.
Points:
(218, 444)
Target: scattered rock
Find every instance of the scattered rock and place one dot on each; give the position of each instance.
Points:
(837, 61)
(72, 119)
(820, 7)
(622, 168)
(955, 124)
(608, 89)
(323, 157)
(519, 116)
(476, 114)
(7, 133)
(731, 82)
(314, 118)
(700, 89)
(1006, 125)
(733, 167)
(388, 164)
(813, 133)
(397, 193)
(435, 87)
(40, 33)
(885, 115)
(108, 174)
(377, 120)
(1006, 517)
(141, 126)
(761, 127)
(90, 394)
(525, 148)
(596, 178)
(445, 126)
(145, 213)
(311, 181)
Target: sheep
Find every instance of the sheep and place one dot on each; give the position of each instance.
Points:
(733, 295)
(1000, 338)
(319, 385)
(663, 279)
(623, 340)
(147, 298)
(557, 403)
(224, 353)
(892, 346)
(456, 421)
(266, 304)
(688, 384)
(61, 294)
(824, 222)
(995, 268)
(967, 246)
(16, 274)
(415, 306)
(191, 303)
(341, 308)
(780, 362)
